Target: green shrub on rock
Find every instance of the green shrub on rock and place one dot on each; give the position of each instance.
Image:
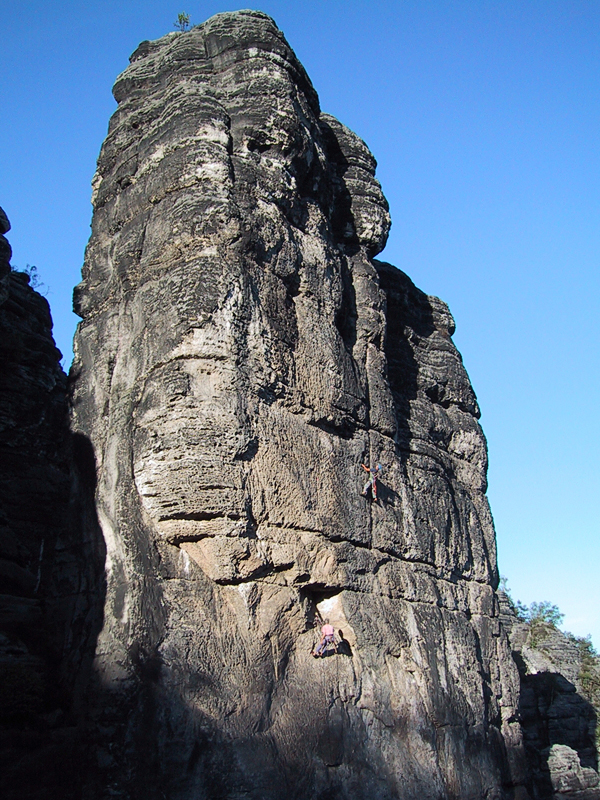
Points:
(183, 22)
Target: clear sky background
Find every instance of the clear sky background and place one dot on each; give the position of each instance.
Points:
(484, 117)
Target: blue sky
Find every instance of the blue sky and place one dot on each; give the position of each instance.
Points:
(484, 118)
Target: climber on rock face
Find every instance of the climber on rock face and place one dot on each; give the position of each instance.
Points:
(374, 474)
(327, 637)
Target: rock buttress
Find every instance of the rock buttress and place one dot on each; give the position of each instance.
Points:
(559, 705)
(51, 576)
(240, 355)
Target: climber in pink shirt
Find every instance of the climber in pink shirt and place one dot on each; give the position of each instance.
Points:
(327, 637)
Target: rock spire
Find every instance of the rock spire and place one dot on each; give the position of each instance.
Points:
(241, 353)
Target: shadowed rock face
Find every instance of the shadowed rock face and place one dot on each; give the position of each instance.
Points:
(51, 576)
(240, 354)
(558, 708)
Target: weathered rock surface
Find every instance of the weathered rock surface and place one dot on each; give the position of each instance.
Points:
(50, 581)
(240, 354)
(558, 717)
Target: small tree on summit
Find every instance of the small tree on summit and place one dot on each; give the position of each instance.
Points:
(34, 279)
(541, 618)
(183, 22)
(539, 613)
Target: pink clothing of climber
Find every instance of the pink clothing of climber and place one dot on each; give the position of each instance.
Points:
(327, 637)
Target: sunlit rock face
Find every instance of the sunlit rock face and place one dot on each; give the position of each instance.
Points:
(240, 354)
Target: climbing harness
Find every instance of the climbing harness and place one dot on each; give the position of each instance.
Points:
(325, 644)
(324, 641)
(374, 474)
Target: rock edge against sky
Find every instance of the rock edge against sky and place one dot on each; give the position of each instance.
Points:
(241, 354)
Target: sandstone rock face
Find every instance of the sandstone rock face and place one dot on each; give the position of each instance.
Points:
(558, 717)
(51, 577)
(569, 779)
(240, 354)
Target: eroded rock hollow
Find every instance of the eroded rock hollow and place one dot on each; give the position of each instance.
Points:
(241, 354)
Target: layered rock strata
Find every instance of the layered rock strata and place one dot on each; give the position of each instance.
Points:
(556, 709)
(240, 354)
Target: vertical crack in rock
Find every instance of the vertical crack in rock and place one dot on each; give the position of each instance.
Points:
(240, 354)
